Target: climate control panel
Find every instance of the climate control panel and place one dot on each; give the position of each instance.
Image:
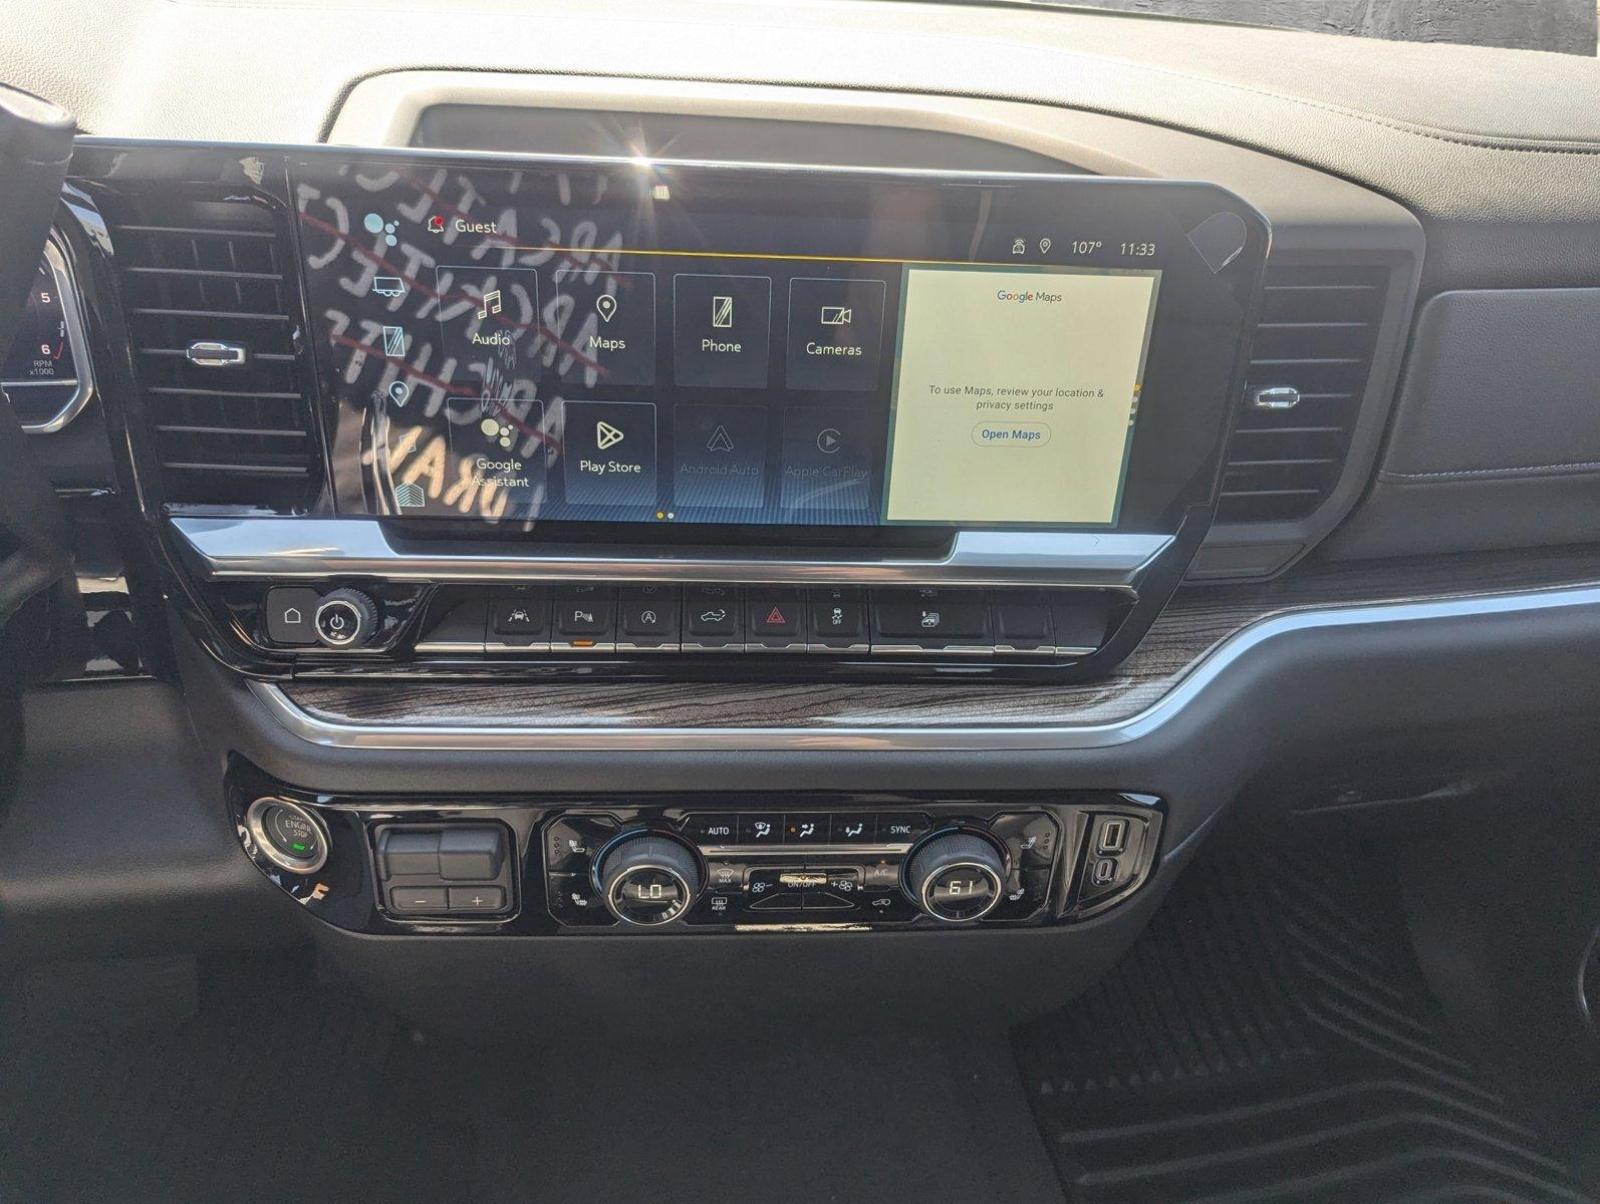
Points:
(661, 864)
(939, 864)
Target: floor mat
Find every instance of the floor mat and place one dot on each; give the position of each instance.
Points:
(1269, 1038)
(278, 1089)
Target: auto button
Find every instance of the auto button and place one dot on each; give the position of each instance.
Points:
(650, 617)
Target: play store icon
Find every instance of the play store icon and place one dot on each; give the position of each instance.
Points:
(606, 435)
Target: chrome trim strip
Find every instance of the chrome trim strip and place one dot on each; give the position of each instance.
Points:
(72, 311)
(1054, 738)
(284, 549)
(213, 353)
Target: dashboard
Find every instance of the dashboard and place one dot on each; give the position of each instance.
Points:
(581, 510)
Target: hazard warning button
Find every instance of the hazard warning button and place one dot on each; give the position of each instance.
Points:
(774, 617)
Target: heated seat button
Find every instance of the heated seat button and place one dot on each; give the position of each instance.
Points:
(1030, 836)
(572, 899)
(288, 613)
(571, 841)
(1025, 894)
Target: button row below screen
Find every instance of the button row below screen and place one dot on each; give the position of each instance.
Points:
(699, 618)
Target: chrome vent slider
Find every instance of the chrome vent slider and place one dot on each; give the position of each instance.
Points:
(1280, 397)
(212, 353)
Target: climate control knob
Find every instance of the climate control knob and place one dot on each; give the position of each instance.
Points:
(648, 879)
(956, 877)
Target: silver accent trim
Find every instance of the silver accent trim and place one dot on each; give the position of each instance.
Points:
(285, 549)
(1279, 397)
(253, 818)
(569, 644)
(498, 646)
(213, 353)
(994, 898)
(72, 311)
(355, 627)
(952, 738)
(459, 647)
(782, 852)
(615, 908)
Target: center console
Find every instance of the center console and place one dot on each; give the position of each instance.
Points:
(773, 862)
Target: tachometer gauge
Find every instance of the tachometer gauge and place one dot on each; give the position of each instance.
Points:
(45, 372)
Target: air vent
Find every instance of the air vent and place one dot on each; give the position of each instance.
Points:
(1318, 327)
(198, 271)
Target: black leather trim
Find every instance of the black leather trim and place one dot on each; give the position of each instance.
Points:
(1496, 435)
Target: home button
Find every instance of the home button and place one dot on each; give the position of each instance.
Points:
(288, 615)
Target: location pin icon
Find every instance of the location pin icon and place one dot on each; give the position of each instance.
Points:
(607, 305)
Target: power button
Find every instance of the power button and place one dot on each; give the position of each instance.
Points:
(346, 619)
(288, 835)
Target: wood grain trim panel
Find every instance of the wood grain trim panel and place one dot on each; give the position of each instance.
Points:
(1197, 621)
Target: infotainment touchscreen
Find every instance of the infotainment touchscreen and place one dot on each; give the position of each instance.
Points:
(664, 343)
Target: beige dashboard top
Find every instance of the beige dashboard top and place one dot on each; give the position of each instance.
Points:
(1498, 150)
